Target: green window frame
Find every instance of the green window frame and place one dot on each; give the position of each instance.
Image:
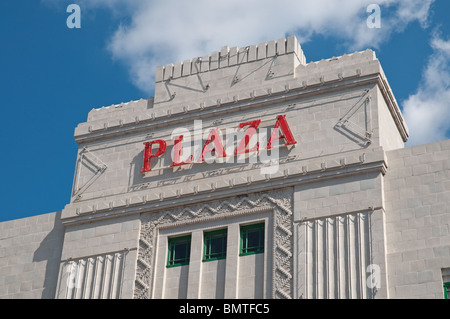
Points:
(447, 290)
(179, 252)
(252, 239)
(215, 245)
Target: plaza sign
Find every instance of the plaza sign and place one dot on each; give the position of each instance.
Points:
(214, 144)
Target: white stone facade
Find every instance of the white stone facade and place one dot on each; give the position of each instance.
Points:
(348, 212)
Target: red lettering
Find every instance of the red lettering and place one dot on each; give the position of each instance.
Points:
(148, 153)
(177, 153)
(252, 127)
(286, 132)
(214, 136)
(217, 147)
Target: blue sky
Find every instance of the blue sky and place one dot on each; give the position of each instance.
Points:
(52, 76)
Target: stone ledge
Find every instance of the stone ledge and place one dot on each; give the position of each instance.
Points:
(372, 161)
(243, 99)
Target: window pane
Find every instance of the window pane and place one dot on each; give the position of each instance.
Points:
(252, 239)
(215, 245)
(179, 251)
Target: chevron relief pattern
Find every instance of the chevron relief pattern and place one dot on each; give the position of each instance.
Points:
(280, 202)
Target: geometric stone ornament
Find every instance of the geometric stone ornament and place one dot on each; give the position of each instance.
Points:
(350, 128)
(94, 165)
(93, 277)
(334, 254)
(279, 202)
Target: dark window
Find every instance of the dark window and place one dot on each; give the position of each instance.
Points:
(215, 245)
(179, 251)
(252, 239)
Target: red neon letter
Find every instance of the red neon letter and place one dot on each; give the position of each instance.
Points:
(242, 147)
(148, 153)
(287, 134)
(214, 136)
(177, 153)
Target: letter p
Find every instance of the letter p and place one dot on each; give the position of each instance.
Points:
(148, 155)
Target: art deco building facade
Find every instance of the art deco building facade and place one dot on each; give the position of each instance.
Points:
(249, 174)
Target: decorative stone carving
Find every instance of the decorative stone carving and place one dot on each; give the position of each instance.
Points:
(279, 202)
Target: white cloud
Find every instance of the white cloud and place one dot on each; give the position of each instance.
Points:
(410, 10)
(427, 112)
(161, 32)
